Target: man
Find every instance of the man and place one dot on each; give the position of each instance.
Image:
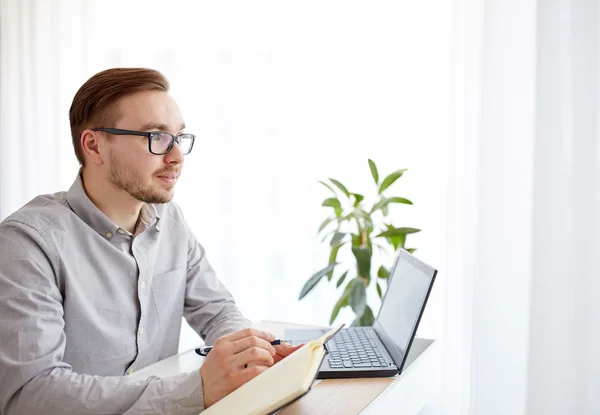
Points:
(94, 281)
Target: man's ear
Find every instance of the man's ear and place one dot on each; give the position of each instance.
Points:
(91, 144)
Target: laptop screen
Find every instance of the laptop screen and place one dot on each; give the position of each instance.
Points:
(402, 306)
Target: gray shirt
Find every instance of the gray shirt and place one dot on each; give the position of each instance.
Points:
(84, 302)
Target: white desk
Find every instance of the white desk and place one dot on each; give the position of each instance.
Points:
(404, 394)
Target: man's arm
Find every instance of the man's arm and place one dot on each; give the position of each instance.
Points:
(209, 306)
(33, 376)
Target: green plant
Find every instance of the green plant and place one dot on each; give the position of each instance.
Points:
(353, 224)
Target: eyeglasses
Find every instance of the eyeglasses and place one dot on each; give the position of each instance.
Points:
(159, 142)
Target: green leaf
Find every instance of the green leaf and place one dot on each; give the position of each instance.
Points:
(411, 250)
(340, 281)
(358, 297)
(357, 199)
(327, 235)
(379, 204)
(363, 254)
(331, 202)
(374, 172)
(329, 187)
(325, 223)
(341, 187)
(379, 290)
(314, 280)
(396, 236)
(332, 258)
(384, 202)
(366, 320)
(397, 241)
(335, 204)
(337, 238)
(390, 179)
(399, 200)
(342, 302)
(349, 286)
(397, 232)
(383, 273)
(336, 243)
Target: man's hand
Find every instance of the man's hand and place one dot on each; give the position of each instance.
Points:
(284, 350)
(234, 360)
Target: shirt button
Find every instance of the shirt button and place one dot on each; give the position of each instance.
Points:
(108, 234)
(141, 331)
(143, 284)
(121, 231)
(130, 371)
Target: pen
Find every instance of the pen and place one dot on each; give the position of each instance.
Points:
(203, 351)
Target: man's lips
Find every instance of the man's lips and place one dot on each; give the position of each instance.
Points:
(169, 174)
(170, 177)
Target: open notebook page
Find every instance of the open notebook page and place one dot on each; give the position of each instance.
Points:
(279, 385)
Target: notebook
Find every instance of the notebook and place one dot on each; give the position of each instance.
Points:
(279, 385)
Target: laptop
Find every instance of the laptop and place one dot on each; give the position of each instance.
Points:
(381, 350)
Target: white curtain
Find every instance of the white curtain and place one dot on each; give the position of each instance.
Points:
(491, 105)
(279, 95)
(564, 319)
(535, 293)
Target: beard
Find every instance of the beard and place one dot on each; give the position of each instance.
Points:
(128, 179)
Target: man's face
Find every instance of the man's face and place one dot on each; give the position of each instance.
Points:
(147, 177)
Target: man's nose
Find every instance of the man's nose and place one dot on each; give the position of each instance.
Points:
(175, 156)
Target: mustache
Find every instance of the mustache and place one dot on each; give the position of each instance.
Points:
(168, 172)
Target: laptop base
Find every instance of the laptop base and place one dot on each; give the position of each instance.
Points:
(328, 373)
(383, 369)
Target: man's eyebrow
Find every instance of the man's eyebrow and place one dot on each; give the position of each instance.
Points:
(158, 126)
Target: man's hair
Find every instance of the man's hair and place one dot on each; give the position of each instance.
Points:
(94, 105)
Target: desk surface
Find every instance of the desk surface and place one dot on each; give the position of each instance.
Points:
(403, 394)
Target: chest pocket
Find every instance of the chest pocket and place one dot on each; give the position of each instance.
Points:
(168, 293)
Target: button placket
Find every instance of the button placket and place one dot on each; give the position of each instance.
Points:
(140, 257)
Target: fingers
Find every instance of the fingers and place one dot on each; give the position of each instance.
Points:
(251, 372)
(238, 335)
(235, 359)
(286, 349)
(252, 341)
(253, 355)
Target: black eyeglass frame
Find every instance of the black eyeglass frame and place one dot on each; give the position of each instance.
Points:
(149, 135)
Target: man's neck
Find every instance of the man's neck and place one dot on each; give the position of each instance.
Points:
(118, 205)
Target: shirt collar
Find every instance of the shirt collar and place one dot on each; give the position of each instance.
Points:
(87, 211)
(148, 216)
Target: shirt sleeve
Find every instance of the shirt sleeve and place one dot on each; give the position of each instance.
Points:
(209, 307)
(33, 376)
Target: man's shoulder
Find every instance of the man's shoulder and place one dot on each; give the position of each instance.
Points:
(40, 213)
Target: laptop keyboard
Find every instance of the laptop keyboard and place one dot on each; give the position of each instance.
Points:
(355, 349)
